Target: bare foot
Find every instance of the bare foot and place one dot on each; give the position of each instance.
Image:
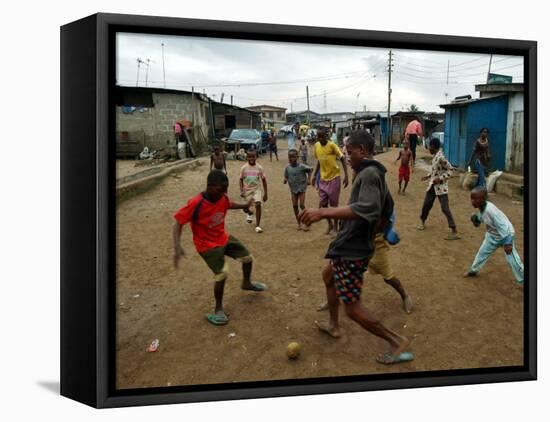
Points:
(325, 327)
(323, 307)
(470, 274)
(408, 304)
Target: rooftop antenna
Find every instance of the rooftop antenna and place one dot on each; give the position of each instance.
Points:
(139, 62)
(147, 62)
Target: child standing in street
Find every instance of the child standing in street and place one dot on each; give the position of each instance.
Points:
(217, 159)
(303, 151)
(438, 187)
(298, 176)
(405, 169)
(206, 214)
(251, 182)
(500, 233)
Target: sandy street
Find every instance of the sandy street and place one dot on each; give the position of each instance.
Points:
(456, 322)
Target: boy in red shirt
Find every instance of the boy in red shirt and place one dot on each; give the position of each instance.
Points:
(206, 214)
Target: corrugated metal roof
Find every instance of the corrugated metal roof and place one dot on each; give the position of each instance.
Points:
(473, 100)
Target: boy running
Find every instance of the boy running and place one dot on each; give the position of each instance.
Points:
(297, 175)
(369, 210)
(206, 214)
(252, 174)
(438, 187)
(405, 169)
(500, 232)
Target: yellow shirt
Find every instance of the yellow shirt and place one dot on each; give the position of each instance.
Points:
(327, 156)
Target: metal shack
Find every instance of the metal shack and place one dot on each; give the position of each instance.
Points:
(464, 118)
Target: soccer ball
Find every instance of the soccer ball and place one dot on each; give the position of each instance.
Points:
(293, 350)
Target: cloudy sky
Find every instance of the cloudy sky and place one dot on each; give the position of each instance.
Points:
(276, 73)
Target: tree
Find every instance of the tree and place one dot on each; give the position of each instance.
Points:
(413, 108)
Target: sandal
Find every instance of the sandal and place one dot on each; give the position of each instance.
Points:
(216, 319)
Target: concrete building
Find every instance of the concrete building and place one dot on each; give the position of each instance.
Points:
(146, 117)
(273, 113)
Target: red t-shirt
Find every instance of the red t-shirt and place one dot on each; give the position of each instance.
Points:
(209, 228)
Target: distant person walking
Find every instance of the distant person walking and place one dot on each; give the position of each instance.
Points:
(293, 135)
(413, 133)
(481, 157)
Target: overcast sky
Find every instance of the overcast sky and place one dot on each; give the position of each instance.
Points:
(276, 73)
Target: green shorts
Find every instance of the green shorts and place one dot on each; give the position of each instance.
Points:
(215, 258)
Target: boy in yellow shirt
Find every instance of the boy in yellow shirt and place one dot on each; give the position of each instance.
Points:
(327, 153)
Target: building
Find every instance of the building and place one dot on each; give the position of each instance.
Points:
(500, 109)
(514, 128)
(227, 117)
(146, 117)
(270, 113)
(304, 117)
(338, 117)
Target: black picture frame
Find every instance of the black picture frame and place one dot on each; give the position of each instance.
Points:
(88, 209)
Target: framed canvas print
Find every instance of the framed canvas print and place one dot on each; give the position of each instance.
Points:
(253, 210)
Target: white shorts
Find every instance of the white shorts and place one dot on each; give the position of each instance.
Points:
(256, 195)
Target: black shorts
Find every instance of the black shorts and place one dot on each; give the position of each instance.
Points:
(273, 147)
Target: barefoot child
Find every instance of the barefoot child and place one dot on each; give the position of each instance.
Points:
(500, 232)
(327, 153)
(297, 175)
(252, 174)
(217, 159)
(438, 188)
(206, 214)
(370, 208)
(405, 169)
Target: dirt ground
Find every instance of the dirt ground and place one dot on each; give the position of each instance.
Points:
(456, 322)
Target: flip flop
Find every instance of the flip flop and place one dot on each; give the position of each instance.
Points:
(217, 319)
(257, 287)
(389, 359)
(452, 237)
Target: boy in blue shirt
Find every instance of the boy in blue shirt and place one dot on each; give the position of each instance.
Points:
(500, 232)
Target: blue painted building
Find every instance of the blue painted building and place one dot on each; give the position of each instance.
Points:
(464, 120)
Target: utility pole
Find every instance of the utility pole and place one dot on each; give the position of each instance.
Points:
(307, 95)
(489, 71)
(447, 93)
(325, 101)
(390, 66)
(163, 67)
(232, 100)
(193, 105)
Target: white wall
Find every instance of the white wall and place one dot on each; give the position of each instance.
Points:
(515, 103)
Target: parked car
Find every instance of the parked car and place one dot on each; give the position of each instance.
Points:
(438, 135)
(247, 138)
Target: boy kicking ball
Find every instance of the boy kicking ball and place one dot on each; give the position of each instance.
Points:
(500, 233)
(206, 214)
(349, 254)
